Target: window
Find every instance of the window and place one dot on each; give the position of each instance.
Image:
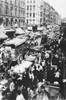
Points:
(27, 1)
(27, 21)
(23, 13)
(41, 6)
(15, 11)
(6, 9)
(30, 7)
(0, 8)
(34, 7)
(27, 14)
(30, 20)
(33, 14)
(33, 20)
(19, 4)
(19, 12)
(41, 14)
(30, 14)
(33, 1)
(15, 2)
(27, 7)
(11, 9)
(30, 1)
(40, 20)
(10, 1)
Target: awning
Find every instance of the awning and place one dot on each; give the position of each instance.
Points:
(9, 30)
(3, 36)
(2, 33)
(21, 67)
(19, 31)
(16, 41)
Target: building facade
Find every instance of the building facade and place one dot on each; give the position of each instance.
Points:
(50, 16)
(58, 18)
(46, 16)
(12, 12)
(33, 12)
(39, 12)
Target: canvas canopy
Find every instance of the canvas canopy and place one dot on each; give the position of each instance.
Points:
(3, 36)
(9, 30)
(16, 42)
(21, 68)
(19, 31)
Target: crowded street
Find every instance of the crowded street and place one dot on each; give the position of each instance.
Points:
(32, 51)
(31, 65)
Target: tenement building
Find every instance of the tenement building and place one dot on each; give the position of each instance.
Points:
(39, 12)
(12, 12)
(33, 8)
(50, 16)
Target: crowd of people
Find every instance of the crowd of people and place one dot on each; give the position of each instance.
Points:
(46, 69)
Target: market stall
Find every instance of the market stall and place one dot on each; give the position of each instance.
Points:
(53, 90)
(10, 33)
(14, 50)
(21, 68)
(3, 36)
(19, 31)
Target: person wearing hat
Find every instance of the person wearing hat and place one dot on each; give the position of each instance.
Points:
(19, 95)
(46, 55)
(35, 73)
(55, 60)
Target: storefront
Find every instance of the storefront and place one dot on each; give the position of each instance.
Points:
(17, 48)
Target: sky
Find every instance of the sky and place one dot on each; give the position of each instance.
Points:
(59, 5)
